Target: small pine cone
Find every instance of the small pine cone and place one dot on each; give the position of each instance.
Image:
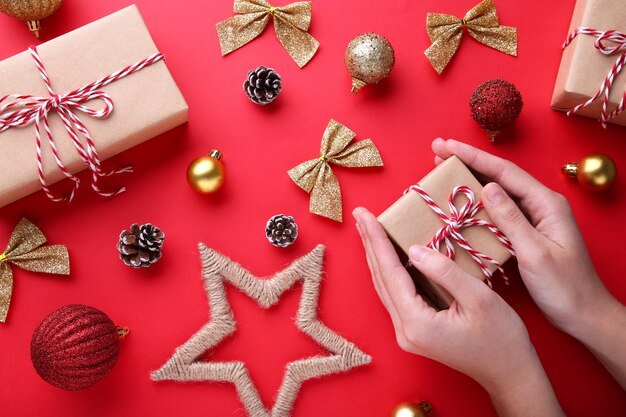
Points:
(141, 246)
(263, 85)
(281, 230)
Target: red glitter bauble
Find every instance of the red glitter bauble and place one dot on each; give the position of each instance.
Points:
(495, 104)
(74, 347)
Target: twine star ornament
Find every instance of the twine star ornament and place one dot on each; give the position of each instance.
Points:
(217, 270)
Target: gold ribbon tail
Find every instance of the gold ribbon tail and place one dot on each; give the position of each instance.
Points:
(291, 32)
(326, 195)
(6, 290)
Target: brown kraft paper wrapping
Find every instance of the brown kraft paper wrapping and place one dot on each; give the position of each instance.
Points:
(145, 104)
(583, 67)
(410, 221)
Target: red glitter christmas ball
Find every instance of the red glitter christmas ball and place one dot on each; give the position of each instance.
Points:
(494, 105)
(75, 346)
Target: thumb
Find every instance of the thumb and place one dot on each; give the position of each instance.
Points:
(445, 272)
(507, 216)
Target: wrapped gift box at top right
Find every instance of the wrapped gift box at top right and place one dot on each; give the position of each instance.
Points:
(584, 68)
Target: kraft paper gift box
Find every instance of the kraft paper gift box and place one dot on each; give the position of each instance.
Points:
(583, 67)
(410, 221)
(145, 104)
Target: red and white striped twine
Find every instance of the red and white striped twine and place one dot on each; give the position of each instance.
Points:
(22, 110)
(617, 45)
(459, 219)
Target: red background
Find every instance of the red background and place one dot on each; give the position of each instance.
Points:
(166, 304)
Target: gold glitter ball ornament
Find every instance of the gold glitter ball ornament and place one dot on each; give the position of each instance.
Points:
(31, 11)
(206, 174)
(369, 59)
(595, 172)
(410, 409)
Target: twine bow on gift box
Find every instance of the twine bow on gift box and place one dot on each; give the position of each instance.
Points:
(291, 24)
(459, 219)
(19, 110)
(445, 32)
(316, 176)
(617, 45)
(26, 251)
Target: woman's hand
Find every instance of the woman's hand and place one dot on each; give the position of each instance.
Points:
(551, 254)
(552, 258)
(479, 335)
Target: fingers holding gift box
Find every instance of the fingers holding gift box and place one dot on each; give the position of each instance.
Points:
(443, 211)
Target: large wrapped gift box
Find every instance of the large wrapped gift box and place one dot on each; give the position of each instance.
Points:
(146, 103)
(411, 221)
(584, 68)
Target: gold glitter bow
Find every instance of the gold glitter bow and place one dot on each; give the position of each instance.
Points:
(26, 250)
(291, 24)
(445, 32)
(316, 176)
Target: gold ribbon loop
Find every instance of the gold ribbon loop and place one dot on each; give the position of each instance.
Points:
(291, 24)
(316, 176)
(445, 32)
(26, 250)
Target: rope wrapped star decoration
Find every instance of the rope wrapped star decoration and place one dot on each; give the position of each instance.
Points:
(217, 270)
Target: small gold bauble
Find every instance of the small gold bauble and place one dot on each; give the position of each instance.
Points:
(31, 11)
(369, 59)
(595, 172)
(206, 174)
(410, 409)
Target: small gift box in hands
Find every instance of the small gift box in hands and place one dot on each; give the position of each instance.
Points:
(444, 211)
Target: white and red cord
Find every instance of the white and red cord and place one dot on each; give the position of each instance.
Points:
(618, 45)
(18, 110)
(459, 219)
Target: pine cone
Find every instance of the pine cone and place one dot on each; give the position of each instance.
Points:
(263, 85)
(141, 246)
(281, 230)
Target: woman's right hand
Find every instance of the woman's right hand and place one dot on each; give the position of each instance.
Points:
(553, 260)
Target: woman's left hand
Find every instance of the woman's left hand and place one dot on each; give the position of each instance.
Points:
(479, 335)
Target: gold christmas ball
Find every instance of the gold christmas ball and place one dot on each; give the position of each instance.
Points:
(31, 11)
(410, 409)
(206, 174)
(369, 59)
(595, 172)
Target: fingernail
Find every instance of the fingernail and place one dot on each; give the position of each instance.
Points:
(356, 215)
(418, 253)
(494, 193)
(358, 229)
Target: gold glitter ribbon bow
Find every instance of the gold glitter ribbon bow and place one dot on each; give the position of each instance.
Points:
(25, 250)
(291, 24)
(445, 32)
(316, 176)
